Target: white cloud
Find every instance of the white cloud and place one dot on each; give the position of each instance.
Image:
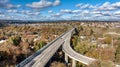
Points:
(1, 12)
(8, 5)
(36, 13)
(56, 3)
(85, 11)
(2, 15)
(79, 5)
(76, 11)
(106, 13)
(27, 12)
(3, 1)
(85, 6)
(65, 11)
(43, 4)
(56, 15)
(116, 5)
(96, 12)
(12, 11)
(97, 15)
(117, 12)
(108, 6)
(12, 6)
(50, 11)
(70, 11)
(40, 4)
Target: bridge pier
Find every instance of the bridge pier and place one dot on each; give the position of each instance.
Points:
(73, 63)
(66, 58)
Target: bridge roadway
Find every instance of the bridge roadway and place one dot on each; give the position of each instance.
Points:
(49, 52)
(42, 56)
(74, 55)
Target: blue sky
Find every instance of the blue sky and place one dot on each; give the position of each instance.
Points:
(60, 9)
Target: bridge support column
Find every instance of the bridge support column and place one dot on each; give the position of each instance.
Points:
(73, 63)
(66, 58)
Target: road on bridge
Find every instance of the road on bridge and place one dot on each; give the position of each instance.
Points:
(74, 55)
(40, 58)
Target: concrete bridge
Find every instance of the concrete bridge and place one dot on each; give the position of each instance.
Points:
(69, 52)
(42, 56)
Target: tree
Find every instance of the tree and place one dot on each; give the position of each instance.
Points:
(74, 41)
(107, 40)
(30, 42)
(117, 55)
(15, 40)
(83, 47)
(57, 64)
(39, 45)
(91, 32)
(102, 64)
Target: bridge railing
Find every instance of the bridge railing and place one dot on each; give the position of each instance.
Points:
(27, 60)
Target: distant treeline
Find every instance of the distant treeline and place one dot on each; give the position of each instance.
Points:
(57, 21)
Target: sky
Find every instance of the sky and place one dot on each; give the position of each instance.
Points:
(46, 10)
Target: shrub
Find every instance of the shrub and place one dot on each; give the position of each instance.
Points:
(39, 45)
(15, 40)
(107, 40)
(35, 32)
(57, 64)
(117, 55)
(102, 64)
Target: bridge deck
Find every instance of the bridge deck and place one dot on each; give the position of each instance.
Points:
(74, 55)
(42, 56)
